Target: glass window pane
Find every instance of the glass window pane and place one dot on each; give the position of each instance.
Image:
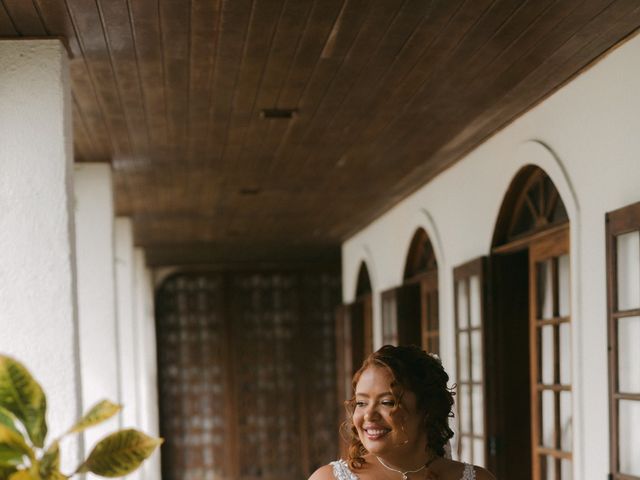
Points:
(477, 402)
(474, 298)
(464, 409)
(565, 353)
(465, 450)
(628, 266)
(548, 419)
(478, 452)
(389, 322)
(547, 468)
(546, 354)
(566, 470)
(545, 292)
(629, 442)
(564, 291)
(566, 422)
(463, 317)
(476, 356)
(629, 355)
(463, 345)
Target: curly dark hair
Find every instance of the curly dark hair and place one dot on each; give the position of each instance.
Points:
(414, 370)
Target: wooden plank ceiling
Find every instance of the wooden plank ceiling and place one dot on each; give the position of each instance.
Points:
(389, 93)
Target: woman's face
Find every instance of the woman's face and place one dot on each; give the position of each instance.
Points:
(383, 428)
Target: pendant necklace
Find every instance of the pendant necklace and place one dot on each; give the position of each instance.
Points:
(404, 474)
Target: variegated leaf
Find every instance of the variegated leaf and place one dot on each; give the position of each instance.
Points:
(22, 475)
(23, 396)
(7, 419)
(100, 412)
(5, 472)
(50, 461)
(12, 447)
(120, 453)
(56, 475)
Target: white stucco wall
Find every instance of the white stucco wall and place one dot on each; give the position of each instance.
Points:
(96, 292)
(148, 415)
(586, 138)
(127, 328)
(38, 318)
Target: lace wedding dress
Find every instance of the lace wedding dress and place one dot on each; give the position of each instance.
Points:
(341, 471)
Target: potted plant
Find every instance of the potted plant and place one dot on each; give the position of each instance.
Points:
(24, 454)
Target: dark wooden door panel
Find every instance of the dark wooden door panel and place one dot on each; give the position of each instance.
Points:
(247, 374)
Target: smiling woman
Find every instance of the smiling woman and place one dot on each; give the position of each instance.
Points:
(398, 421)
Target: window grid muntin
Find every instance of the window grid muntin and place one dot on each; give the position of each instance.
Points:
(620, 222)
(549, 251)
(462, 278)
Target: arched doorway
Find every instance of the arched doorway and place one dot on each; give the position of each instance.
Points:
(410, 312)
(528, 335)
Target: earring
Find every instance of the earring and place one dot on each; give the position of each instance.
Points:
(406, 437)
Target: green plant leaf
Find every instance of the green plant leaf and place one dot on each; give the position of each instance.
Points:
(5, 472)
(100, 412)
(50, 462)
(23, 475)
(23, 396)
(55, 475)
(119, 453)
(8, 420)
(12, 447)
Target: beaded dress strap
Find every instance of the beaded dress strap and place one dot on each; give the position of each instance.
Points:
(341, 471)
(469, 473)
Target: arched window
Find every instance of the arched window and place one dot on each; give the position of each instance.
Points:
(522, 351)
(410, 312)
(363, 285)
(531, 208)
(421, 258)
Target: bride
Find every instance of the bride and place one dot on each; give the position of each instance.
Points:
(398, 422)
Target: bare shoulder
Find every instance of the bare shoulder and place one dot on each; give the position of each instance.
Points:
(483, 474)
(323, 473)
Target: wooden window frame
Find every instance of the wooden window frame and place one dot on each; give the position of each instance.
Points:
(550, 247)
(464, 272)
(429, 320)
(617, 222)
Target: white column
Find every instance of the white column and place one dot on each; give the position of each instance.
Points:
(96, 292)
(38, 313)
(147, 360)
(126, 321)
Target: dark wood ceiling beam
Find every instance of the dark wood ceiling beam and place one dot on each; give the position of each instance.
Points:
(367, 43)
(263, 26)
(25, 17)
(7, 27)
(381, 64)
(205, 39)
(118, 33)
(541, 41)
(81, 136)
(57, 22)
(317, 30)
(235, 18)
(254, 155)
(205, 18)
(333, 54)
